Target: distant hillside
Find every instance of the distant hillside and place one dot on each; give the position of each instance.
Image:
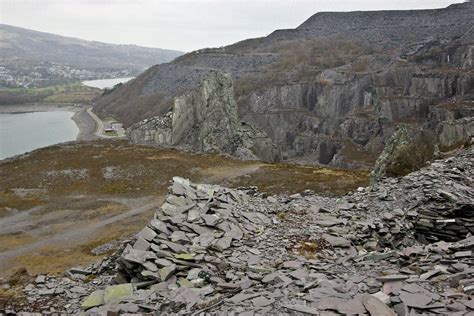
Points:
(49, 57)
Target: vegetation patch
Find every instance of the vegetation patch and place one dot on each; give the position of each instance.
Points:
(301, 61)
(64, 93)
(309, 248)
(290, 179)
(11, 200)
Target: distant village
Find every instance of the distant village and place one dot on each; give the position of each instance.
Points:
(26, 75)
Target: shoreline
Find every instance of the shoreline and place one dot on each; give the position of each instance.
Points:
(85, 123)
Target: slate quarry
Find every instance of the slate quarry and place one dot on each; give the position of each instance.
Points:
(416, 68)
(401, 247)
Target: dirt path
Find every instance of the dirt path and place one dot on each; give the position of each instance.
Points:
(70, 234)
(40, 228)
(86, 125)
(100, 127)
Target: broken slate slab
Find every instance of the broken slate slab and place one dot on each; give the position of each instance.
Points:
(376, 307)
(330, 303)
(223, 243)
(114, 294)
(392, 277)
(382, 297)
(429, 274)
(177, 248)
(46, 292)
(417, 300)
(179, 237)
(96, 298)
(160, 227)
(141, 244)
(292, 264)
(147, 233)
(167, 272)
(211, 219)
(302, 309)
(78, 270)
(262, 301)
(40, 279)
(337, 241)
(236, 299)
(139, 256)
(352, 307)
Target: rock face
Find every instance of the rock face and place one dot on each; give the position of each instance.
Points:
(454, 134)
(206, 120)
(339, 111)
(409, 149)
(401, 248)
(334, 122)
(406, 151)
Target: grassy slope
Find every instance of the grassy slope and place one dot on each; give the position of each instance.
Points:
(65, 93)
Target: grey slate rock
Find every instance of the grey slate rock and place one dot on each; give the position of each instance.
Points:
(375, 307)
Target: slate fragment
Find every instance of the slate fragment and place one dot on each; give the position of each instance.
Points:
(375, 307)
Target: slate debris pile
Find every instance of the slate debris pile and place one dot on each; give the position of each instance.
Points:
(215, 250)
(438, 200)
(50, 294)
(449, 212)
(195, 226)
(155, 122)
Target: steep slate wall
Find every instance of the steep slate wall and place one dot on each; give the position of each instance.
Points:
(342, 117)
(319, 119)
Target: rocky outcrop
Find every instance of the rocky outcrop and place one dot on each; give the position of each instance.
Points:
(409, 149)
(406, 151)
(338, 113)
(345, 119)
(206, 120)
(455, 134)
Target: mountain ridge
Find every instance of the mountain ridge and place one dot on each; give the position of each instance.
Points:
(61, 58)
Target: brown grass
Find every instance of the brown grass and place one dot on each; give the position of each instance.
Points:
(8, 199)
(9, 241)
(303, 60)
(309, 248)
(290, 179)
(56, 259)
(140, 173)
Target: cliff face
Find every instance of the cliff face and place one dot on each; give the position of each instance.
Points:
(206, 120)
(345, 119)
(333, 90)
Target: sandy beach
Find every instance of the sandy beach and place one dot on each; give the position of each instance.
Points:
(84, 122)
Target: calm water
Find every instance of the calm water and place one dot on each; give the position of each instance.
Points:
(106, 83)
(23, 132)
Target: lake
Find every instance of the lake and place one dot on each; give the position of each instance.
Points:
(106, 83)
(24, 132)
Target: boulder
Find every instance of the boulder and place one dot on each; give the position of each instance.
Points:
(406, 151)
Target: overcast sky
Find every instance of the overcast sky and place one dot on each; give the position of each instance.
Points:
(180, 24)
